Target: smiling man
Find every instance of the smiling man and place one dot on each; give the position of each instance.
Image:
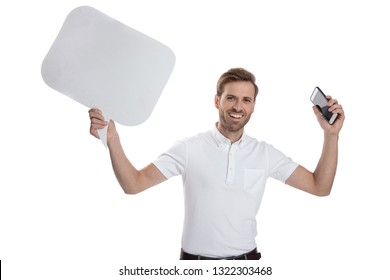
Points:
(224, 172)
(235, 101)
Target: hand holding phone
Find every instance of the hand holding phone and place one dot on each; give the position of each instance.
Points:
(319, 99)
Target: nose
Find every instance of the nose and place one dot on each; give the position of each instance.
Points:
(238, 105)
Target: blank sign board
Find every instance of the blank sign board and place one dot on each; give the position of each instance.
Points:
(102, 63)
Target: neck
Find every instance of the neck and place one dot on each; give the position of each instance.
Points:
(233, 136)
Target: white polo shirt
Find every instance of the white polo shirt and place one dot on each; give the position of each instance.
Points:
(223, 187)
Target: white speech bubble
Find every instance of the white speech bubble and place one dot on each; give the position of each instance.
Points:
(102, 63)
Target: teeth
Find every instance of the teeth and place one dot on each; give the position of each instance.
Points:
(236, 116)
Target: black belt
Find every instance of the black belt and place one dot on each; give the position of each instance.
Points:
(252, 255)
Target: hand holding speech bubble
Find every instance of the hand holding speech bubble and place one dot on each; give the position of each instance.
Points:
(102, 63)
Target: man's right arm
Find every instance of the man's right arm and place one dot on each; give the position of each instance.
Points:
(130, 179)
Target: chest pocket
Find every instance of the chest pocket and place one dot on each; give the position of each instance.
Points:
(254, 180)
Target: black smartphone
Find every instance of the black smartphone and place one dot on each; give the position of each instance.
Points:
(319, 99)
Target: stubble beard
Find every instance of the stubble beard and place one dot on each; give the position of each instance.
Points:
(228, 125)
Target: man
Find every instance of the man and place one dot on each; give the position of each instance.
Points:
(224, 172)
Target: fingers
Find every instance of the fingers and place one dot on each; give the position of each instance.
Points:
(96, 117)
(318, 113)
(96, 114)
(334, 105)
(97, 121)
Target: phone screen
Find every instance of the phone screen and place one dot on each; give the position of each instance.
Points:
(319, 99)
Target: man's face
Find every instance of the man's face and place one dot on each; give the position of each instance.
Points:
(235, 105)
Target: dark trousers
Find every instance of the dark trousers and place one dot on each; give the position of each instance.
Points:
(252, 255)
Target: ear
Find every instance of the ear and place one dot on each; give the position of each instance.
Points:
(216, 101)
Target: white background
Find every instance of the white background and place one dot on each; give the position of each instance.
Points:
(62, 213)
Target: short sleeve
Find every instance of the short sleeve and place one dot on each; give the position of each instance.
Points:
(173, 162)
(280, 166)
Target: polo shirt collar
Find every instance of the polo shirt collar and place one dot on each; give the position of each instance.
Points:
(222, 140)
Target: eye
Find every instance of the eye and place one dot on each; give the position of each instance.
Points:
(248, 100)
(229, 98)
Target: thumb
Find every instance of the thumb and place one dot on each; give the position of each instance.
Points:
(318, 113)
(111, 127)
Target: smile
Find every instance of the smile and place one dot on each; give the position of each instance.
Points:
(236, 116)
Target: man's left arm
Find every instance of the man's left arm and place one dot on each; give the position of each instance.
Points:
(321, 180)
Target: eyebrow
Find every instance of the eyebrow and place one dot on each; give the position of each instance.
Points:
(235, 96)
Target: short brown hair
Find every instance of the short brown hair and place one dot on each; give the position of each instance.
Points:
(235, 75)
